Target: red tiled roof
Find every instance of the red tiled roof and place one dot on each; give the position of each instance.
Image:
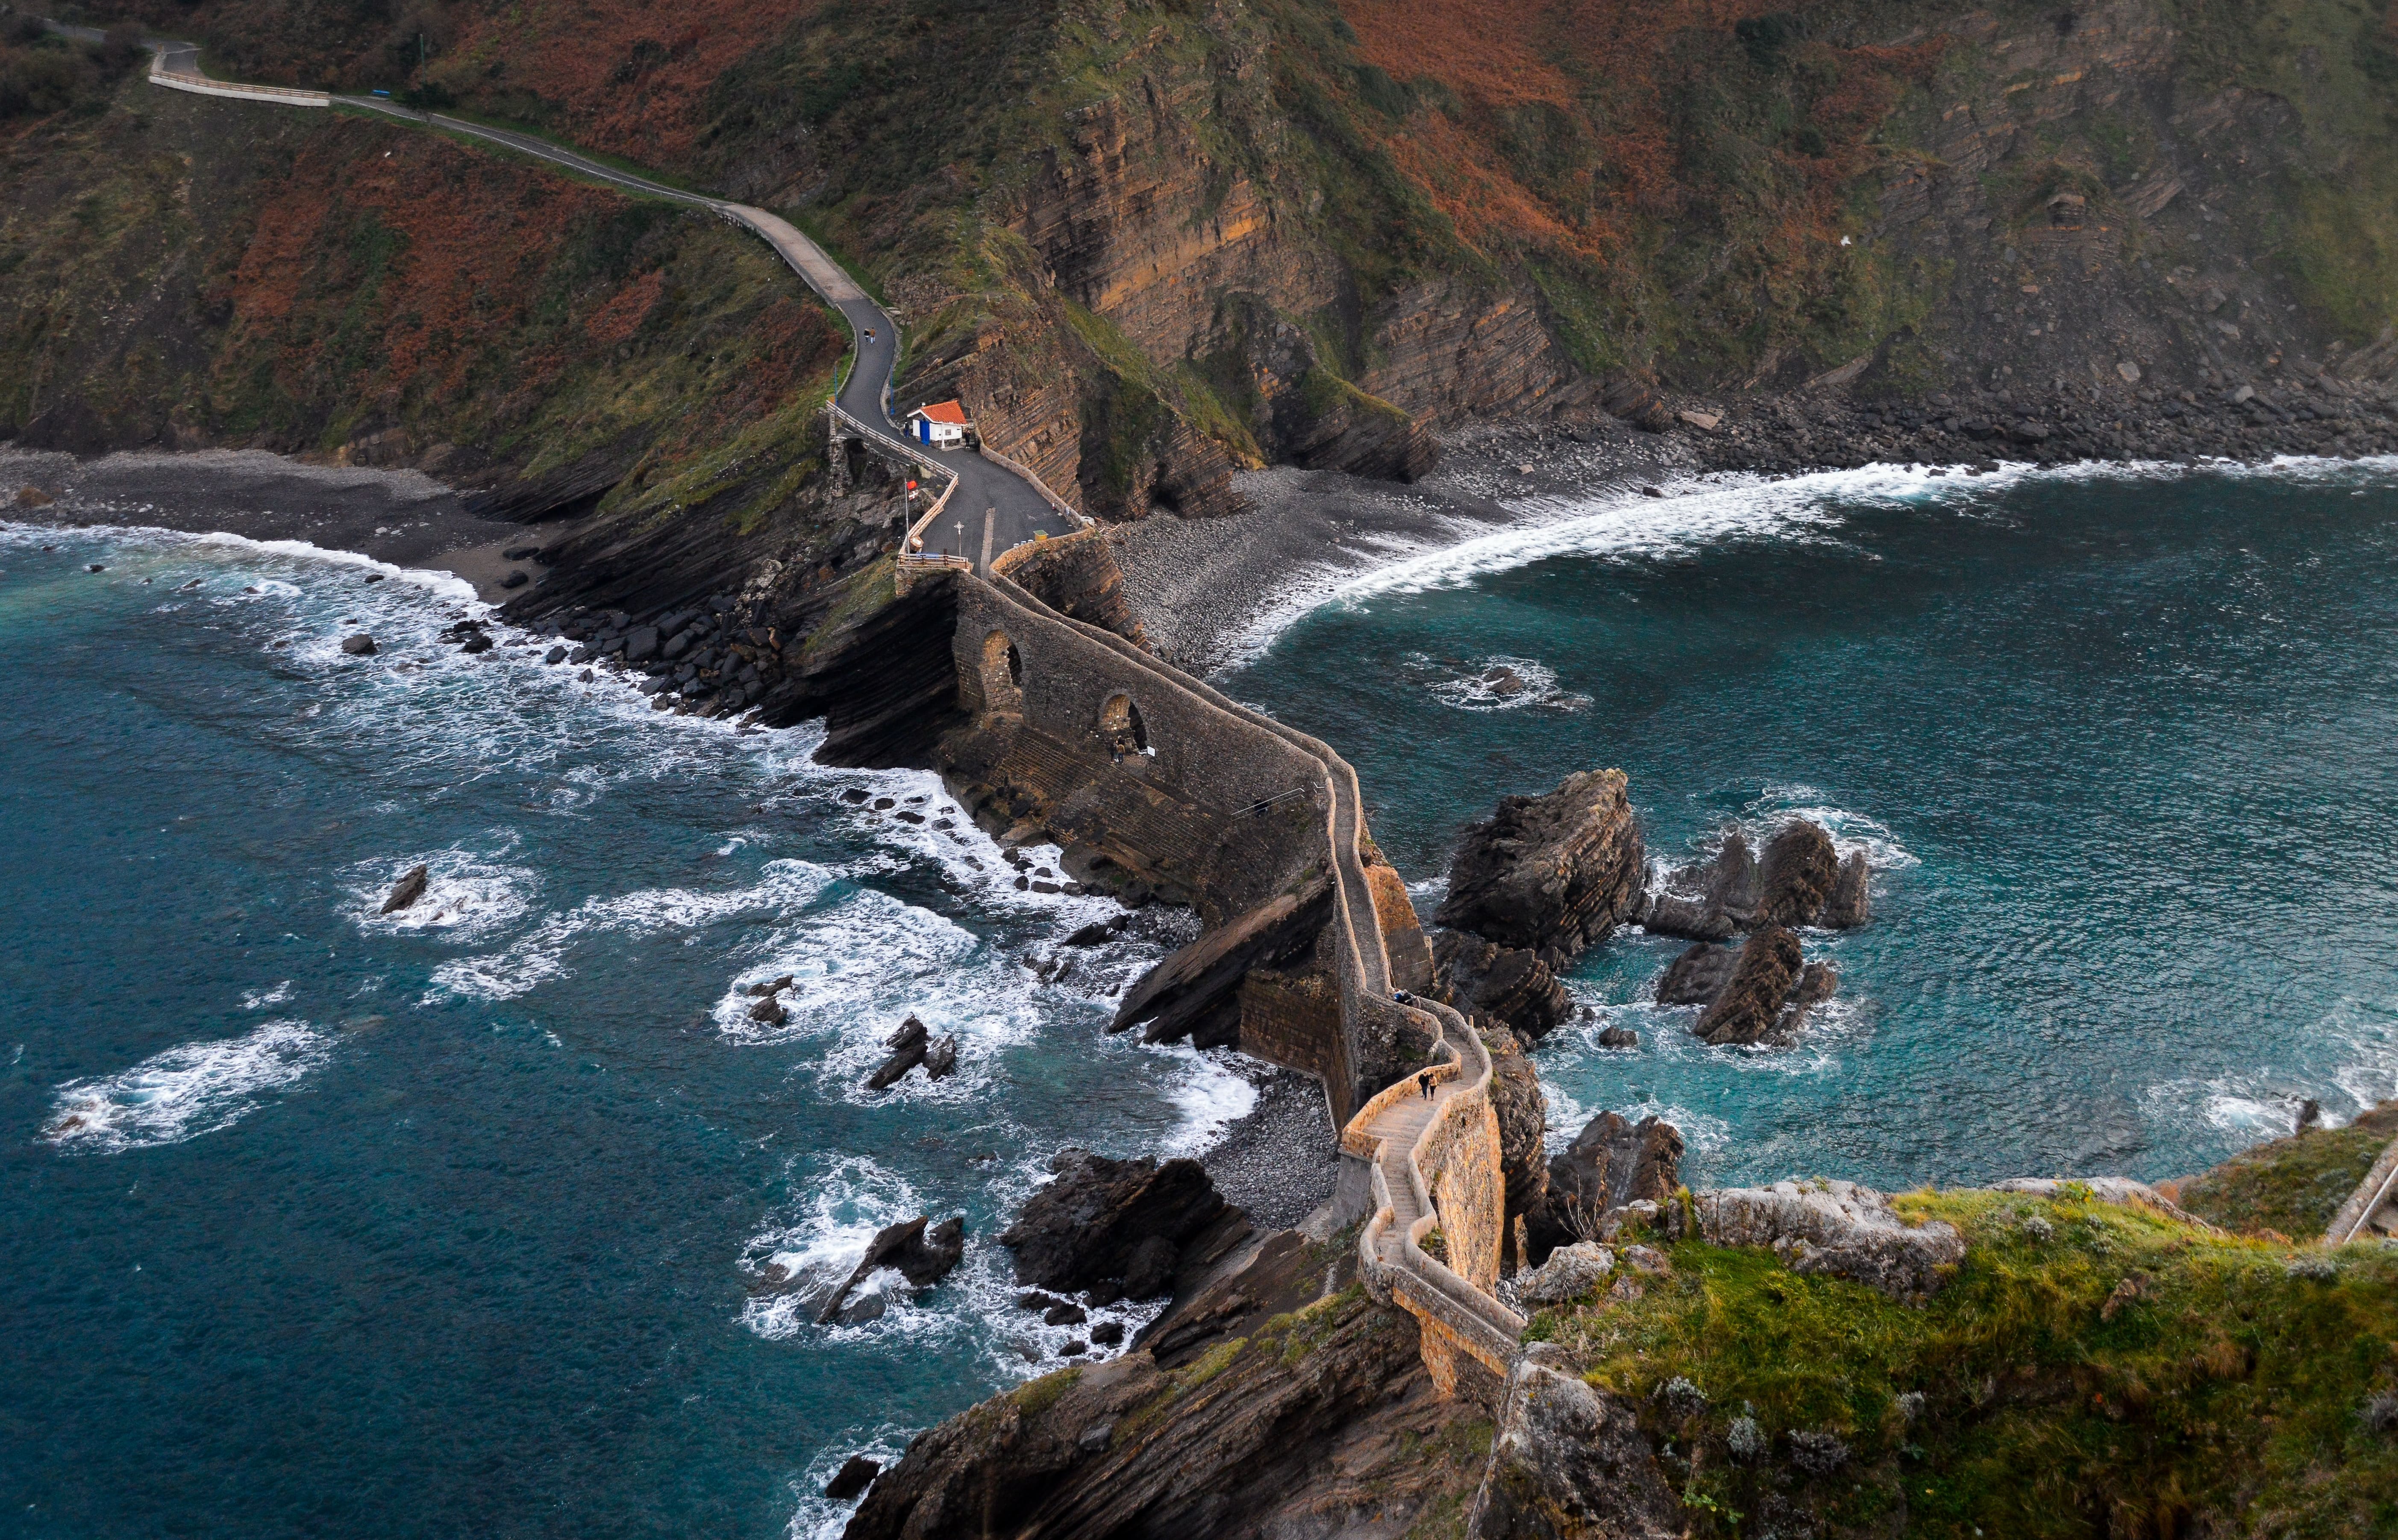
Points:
(942, 412)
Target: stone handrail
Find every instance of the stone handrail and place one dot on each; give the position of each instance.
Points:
(2378, 1186)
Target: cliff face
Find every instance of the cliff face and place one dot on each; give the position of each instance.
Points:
(1283, 1415)
(1149, 244)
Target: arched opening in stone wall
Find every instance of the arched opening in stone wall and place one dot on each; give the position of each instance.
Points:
(1121, 727)
(1001, 674)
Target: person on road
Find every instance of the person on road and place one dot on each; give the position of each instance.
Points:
(1423, 1084)
(869, 336)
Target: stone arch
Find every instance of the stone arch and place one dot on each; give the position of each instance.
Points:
(1122, 729)
(1001, 673)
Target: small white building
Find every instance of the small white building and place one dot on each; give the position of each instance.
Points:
(942, 424)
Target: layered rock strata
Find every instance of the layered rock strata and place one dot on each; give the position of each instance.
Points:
(1552, 874)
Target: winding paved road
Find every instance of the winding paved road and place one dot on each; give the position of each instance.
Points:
(994, 508)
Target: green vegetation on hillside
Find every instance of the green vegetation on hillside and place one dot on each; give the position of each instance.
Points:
(2292, 1186)
(2092, 1371)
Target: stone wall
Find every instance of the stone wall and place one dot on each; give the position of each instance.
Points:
(1077, 576)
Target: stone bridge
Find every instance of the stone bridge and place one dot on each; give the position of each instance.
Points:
(1256, 824)
(1133, 758)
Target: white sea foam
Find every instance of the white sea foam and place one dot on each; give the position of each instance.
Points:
(540, 953)
(1210, 1095)
(1485, 685)
(187, 1091)
(463, 894)
(259, 1000)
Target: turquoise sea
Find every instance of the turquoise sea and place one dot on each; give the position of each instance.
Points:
(2122, 750)
(326, 1223)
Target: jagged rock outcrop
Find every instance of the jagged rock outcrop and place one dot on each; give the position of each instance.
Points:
(1697, 975)
(1841, 1228)
(1611, 1163)
(1797, 875)
(1573, 1271)
(1749, 1009)
(1709, 901)
(1523, 1121)
(1119, 1224)
(1507, 986)
(1850, 904)
(1703, 974)
(1550, 874)
(1568, 1463)
(924, 1256)
(1314, 1423)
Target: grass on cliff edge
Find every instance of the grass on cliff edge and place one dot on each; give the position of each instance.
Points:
(2291, 1187)
(2090, 1371)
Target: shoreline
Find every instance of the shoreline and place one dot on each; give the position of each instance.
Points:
(404, 518)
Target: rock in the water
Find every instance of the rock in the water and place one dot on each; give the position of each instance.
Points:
(475, 642)
(1065, 1313)
(1818, 981)
(1569, 1461)
(1750, 1006)
(642, 643)
(908, 1047)
(1711, 900)
(1092, 1224)
(941, 1057)
(1549, 873)
(1850, 905)
(923, 1256)
(408, 890)
(359, 646)
(1107, 1334)
(1617, 1037)
(1828, 1226)
(1570, 1273)
(1797, 875)
(855, 1475)
(555, 655)
(1612, 1161)
(1504, 986)
(770, 1010)
(1697, 975)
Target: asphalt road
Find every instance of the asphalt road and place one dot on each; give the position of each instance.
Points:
(994, 510)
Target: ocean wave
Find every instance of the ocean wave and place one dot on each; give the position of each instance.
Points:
(540, 955)
(188, 1091)
(1210, 1096)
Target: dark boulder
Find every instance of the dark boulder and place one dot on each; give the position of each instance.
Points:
(922, 1255)
(516, 580)
(408, 890)
(1506, 987)
(1797, 875)
(1850, 905)
(769, 1011)
(1096, 1223)
(1617, 1037)
(1751, 1003)
(555, 655)
(359, 646)
(1550, 874)
(1569, 1459)
(941, 1057)
(1710, 901)
(855, 1475)
(1697, 975)
(475, 642)
(908, 1046)
(641, 644)
(1612, 1161)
